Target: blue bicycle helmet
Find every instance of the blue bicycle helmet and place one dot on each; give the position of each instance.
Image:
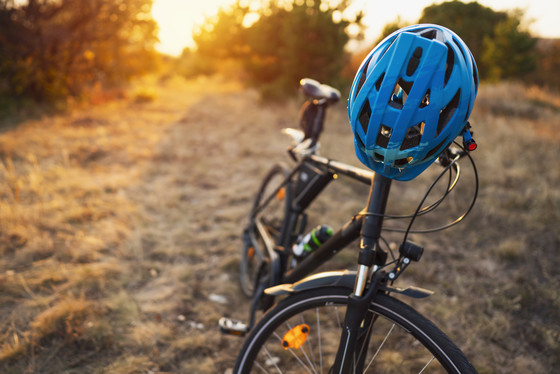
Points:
(411, 97)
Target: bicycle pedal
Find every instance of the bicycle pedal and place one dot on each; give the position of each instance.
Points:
(232, 327)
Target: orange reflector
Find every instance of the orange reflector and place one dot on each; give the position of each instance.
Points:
(296, 337)
(250, 252)
(280, 194)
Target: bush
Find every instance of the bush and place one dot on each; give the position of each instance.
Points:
(53, 49)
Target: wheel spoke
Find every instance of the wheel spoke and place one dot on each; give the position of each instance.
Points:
(338, 317)
(301, 362)
(380, 346)
(258, 365)
(272, 360)
(309, 343)
(365, 344)
(319, 339)
(429, 362)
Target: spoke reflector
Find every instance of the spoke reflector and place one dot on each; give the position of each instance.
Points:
(296, 337)
(281, 194)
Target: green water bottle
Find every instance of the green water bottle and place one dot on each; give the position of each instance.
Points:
(312, 241)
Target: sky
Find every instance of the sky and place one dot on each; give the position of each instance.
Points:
(176, 18)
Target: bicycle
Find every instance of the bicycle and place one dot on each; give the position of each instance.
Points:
(325, 322)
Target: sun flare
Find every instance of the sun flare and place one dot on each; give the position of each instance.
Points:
(177, 18)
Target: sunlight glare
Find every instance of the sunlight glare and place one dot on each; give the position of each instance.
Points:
(177, 18)
(250, 19)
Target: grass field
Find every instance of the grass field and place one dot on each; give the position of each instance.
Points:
(120, 230)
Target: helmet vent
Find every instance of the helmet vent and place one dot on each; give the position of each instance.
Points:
(414, 61)
(434, 150)
(365, 114)
(360, 143)
(433, 34)
(402, 161)
(400, 94)
(475, 76)
(413, 136)
(384, 136)
(460, 49)
(363, 77)
(450, 62)
(379, 157)
(426, 100)
(429, 34)
(447, 112)
(379, 81)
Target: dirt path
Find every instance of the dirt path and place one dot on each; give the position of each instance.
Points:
(195, 195)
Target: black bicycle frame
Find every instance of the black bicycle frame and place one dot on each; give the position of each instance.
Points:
(323, 174)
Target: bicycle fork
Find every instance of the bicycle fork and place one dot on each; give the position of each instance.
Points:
(357, 322)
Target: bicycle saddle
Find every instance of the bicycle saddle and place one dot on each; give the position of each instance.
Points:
(318, 91)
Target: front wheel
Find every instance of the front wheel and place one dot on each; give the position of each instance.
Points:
(302, 333)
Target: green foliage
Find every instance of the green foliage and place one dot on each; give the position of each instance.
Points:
(280, 43)
(509, 53)
(52, 49)
(473, 22)
(499, 45)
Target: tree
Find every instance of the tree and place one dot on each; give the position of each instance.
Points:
(471, 21)
(284, 42)
(509, 53)
(53, 48)
(494, 38)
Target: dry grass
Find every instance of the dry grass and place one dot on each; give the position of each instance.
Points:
(118, 222)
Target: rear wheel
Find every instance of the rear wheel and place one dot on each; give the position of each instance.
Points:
(265, 229)
(302, 333)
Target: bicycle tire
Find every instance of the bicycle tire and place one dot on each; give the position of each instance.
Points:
(401, 340)
(272, 217)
